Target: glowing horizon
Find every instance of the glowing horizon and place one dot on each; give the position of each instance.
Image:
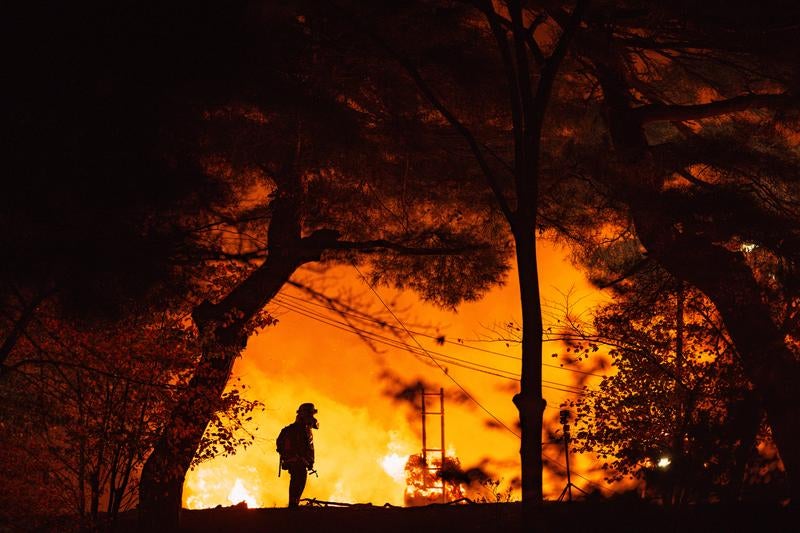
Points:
(365, 437)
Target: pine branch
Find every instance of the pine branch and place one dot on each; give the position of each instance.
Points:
(383, 244)
(662, 112)
(438, 105)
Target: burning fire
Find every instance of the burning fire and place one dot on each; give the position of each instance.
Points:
(425, 484)
(240, 494)
(421, 482)
(395, 465)
(216, 486)
(365, 439)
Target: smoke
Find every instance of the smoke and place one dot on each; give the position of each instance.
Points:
(407, 391)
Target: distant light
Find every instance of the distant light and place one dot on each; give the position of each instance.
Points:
(664, 462)
(748, 247)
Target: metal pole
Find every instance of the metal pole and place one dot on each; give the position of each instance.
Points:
(424, 443)
(566, 457)
(441, 412)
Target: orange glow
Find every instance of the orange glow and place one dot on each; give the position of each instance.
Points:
(394, 463)
(424, 484)
(366, 437)
(240, 494)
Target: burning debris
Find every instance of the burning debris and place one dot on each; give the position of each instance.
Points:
(426, 481)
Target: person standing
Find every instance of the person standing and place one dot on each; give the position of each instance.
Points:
(295, 445)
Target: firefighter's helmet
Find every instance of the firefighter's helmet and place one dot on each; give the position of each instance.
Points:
(306, 409)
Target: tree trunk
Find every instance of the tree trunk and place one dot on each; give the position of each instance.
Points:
(161, 484)
(529, 401)
(683, 409)
(722, 275)
(745, 424)
(770, 366)
(224, 326)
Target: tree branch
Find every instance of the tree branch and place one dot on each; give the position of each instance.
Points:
(661, 112)
(529, 38)
(515, 100)
(535, 112)
(21, 323)
(374, 245)
(629, 273)
(553, 63)
(439, 106)
(79, 366)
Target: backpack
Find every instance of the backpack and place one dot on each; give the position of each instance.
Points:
(283, 442)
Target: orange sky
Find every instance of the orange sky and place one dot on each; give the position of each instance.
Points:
(362, 431)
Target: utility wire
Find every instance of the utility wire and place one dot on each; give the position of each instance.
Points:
(471, 397)
(401, 345)
(350, 328)
(297, 306)
(389, 342)
(455, 361)
(452, 378)
(366, 317)
(394, 343)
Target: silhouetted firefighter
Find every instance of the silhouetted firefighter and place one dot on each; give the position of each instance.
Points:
(295, 444)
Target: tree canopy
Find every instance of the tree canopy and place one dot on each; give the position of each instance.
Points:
(183, 161)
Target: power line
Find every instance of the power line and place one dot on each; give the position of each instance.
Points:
(431, 357)
(396, 343)
(399, 344)
(451, 377)
(366, 317)
(383, 323)
(446, 358)
(384, 340)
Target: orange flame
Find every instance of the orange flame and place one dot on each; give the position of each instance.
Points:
(240, 494)
(365, 439)
(425, 483)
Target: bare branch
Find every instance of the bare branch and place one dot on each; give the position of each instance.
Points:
(630, 272)
(533, 46)
(553, 63)
(21, 323)
(496, 23)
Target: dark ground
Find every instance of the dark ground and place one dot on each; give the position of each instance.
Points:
(575, 517)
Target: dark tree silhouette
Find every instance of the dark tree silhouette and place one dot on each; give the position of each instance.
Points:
(695, 222)
(520, 77)
(81, 407)
(679, 393)
(201, 153)
(684, 119)
(211, 150)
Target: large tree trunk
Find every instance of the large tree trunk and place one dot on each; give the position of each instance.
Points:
(729, 283)
(721, 274)
(161, 484)
(224, 328)
(528, 127)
